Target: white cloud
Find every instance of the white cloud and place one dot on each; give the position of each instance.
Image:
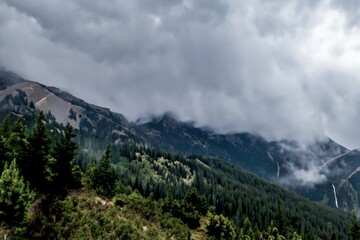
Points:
(281, 69)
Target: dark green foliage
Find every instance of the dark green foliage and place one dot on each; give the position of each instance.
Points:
(35, 165)
(195, 183)
(354, 228)
(5, 127)
(3, 152)
(220, 227)
(15, 195)
(86, 216)
(103, 178)
(20, 99)
(49, 116)
(72, 114)
(279, 217)
(295, 223)
(199, 202)
(189, 210)
(16, 102)
(32, 105)
(35, 169)
(232, 191)
(4, 134)
(64, 153)
(17, 144)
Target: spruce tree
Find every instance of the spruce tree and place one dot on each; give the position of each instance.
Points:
(15, 195)
(104, 179)
(37, 171)
(64, 154)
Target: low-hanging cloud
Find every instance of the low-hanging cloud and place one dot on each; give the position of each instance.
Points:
(283, 69)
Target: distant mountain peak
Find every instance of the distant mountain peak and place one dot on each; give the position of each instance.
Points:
(277, 161)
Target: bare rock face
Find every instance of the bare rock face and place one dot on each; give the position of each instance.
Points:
(45, 101)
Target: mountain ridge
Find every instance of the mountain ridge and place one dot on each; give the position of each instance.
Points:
(283, 162)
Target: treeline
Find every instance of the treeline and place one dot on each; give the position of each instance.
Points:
(31, 164)
(39, 200)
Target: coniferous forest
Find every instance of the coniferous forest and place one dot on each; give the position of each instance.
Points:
(51, 187)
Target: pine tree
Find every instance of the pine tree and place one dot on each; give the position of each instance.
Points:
(15, 195)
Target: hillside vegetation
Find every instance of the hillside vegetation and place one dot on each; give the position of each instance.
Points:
(274, 161)
(133, 192)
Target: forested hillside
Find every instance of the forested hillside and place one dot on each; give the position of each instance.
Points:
(136, 192)
(276, 161)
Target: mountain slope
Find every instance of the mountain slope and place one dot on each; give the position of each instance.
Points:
(231, 190)
(300, 168)
(342, 188)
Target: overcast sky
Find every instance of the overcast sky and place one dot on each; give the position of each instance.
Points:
(283, 69)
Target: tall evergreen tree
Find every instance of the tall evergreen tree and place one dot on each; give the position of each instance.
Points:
(104, 179)
(37, 172)
(197, 201)
(4, 134)
(17, 145)
(3, 153)
(279, 217)
(64, 154)
(5, 127)
(295, 222)
(15, 195)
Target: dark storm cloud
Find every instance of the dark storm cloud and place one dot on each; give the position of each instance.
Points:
(283, 69)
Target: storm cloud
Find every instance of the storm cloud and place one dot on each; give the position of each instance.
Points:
(282, 69)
